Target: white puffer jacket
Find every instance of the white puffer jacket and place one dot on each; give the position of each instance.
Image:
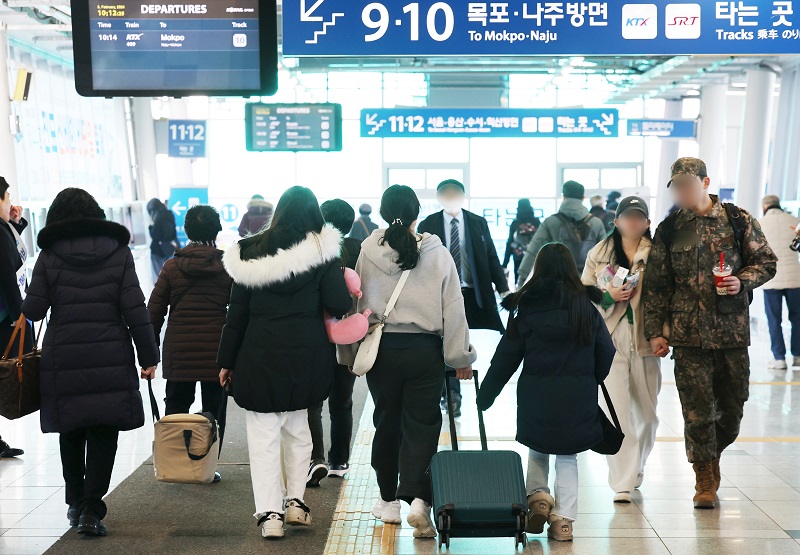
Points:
(777, 226)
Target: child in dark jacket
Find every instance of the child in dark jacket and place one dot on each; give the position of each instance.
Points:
(194, 288)
(566, 351)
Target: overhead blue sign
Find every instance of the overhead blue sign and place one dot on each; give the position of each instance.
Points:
(490, 122)
(665, 128)
(187, 138)
(180, 200)
(458, 28)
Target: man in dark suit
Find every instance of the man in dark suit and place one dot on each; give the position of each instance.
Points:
(466, 236)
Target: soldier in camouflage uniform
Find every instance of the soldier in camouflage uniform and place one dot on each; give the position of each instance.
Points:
(709, 332)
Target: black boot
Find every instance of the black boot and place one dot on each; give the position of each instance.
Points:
(91, 525)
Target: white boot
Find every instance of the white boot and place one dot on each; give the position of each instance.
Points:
(420, 519)
(387, 511)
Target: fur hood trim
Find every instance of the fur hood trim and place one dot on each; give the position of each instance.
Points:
(314, 251)
(82, 227)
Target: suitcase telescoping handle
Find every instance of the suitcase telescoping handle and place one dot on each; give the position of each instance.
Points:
(451, 373)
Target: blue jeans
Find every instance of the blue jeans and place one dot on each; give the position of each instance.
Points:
(566, 481)
(773, 302)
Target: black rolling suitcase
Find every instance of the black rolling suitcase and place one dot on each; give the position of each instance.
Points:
(478, 493)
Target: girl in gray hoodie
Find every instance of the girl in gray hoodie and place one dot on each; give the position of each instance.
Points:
(426, 329)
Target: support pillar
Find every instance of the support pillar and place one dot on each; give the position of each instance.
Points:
(754, 144)
(673, 109)
(713, 128)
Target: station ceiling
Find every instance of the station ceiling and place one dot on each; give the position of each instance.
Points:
(47, 27)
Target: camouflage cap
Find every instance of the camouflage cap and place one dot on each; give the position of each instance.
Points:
(688, 166)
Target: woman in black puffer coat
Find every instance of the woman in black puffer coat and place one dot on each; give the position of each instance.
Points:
(89, 382)
(275, 347)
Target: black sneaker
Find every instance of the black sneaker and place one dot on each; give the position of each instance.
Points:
(316, 473)
(443, 404)
(339, 470)
(8, 452)
(90, 525)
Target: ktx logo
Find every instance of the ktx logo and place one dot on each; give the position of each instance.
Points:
(683, 21)
(639, 21)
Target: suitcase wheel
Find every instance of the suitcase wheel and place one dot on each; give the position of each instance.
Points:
(443, 521)
(521, 538)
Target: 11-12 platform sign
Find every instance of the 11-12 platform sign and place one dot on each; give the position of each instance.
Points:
(514, 27)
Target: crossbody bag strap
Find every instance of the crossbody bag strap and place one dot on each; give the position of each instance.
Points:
(395, 294)
(610, 406)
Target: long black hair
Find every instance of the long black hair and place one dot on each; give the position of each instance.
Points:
(555, 268)
(296, 215)
(73, 203)
(400, 208)
(614, 242)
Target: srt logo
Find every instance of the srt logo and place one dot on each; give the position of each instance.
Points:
(683, 21)
(637, 22)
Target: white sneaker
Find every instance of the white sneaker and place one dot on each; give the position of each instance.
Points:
(420, 519)
(297, 513)
(776, 365)
(623, 497)
(387, 511)
(639, 480)
(272, 526)
(795, 361)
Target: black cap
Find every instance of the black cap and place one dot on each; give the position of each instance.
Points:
(573, 189)
(633, 203)
(455, 183)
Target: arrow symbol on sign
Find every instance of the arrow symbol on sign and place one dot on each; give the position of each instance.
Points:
(178, 208)
(372, 119)
(307, 14)
(608, 119)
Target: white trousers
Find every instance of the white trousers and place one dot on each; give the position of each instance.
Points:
(279, 444)
(633, 384)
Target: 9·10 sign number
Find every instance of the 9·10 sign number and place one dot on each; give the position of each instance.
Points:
(381, 24)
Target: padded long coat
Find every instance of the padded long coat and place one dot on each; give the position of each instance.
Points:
(275, 339)
(85, 274)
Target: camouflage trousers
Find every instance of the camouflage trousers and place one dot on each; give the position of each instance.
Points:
(713, 385)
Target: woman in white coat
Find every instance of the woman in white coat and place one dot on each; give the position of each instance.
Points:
(635, 378)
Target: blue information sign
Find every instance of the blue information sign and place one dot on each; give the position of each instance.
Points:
(490, 122)
(187, 138)
(666, 128)
(180, 200)
(456, 27)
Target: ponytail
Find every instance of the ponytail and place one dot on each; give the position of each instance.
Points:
(400, 207)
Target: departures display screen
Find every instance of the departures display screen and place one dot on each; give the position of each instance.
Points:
(218, 47)
(293, 127)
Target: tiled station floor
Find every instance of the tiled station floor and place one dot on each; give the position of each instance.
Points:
(759, 511)
(760, 496)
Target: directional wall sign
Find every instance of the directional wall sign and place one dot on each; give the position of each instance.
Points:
(459, 28)
(187, 138)
(180, 200)
(667, 129)
(490, 122)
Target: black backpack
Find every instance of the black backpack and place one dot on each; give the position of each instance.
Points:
(576, 236)
(667, 231)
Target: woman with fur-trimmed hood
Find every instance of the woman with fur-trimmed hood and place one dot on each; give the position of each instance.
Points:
(275, 348)
(257, 217)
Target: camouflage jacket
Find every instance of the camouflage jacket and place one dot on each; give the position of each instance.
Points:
(680, 299)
